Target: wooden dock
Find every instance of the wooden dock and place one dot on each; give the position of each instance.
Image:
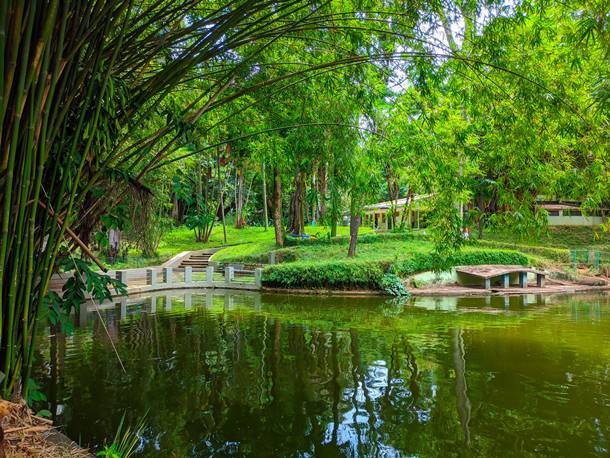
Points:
(506, 274)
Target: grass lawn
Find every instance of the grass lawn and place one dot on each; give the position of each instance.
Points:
(382, 250)
(572, 237)
(254, 242)
(378, 248)
(249, 240)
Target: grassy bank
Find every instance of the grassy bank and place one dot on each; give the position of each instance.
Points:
(370, 273)
(322, 262)
(242, 242)
(567, 237)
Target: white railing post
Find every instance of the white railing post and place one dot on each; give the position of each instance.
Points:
(151, 277)
(258, 278)
(228, 274)
(209, 275)
(188, 275)
(167, 275)
(121, 275)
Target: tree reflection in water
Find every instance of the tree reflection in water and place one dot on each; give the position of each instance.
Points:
(277, 376)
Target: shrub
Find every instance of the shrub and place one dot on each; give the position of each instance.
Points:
(392, 284)
(421, 262)
(329, 274)
(364, 238)
(372, 275)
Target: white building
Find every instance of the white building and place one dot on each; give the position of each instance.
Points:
(379, 215)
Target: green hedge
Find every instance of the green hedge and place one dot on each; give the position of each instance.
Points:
(424, 262)
(556, 254)
(369, 275)
(326, 274)
(364, 238)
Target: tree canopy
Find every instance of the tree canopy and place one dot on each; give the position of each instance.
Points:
(185, 102)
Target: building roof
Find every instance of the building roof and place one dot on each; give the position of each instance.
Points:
(399, 203)
(557, 207)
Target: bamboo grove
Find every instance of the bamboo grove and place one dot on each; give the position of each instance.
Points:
(81, 81)
(76, 77)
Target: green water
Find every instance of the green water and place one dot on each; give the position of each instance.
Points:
(252, 375)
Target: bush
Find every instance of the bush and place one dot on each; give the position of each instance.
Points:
(392, 284)
(329, 274)
(372, 275)
(424, 262)
(364, 238)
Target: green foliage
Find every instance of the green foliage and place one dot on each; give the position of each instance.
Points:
(555, 254)
(325, 274)
(393, 285)
(83, 281)
(33, 392)
(425, 262)
(372, 274)
(126, 441)
(255, 243)
(366, 238)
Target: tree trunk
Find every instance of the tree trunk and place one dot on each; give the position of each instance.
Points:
(406, 210)
(354, 225)
(277, 207)
(296, 221)
(481, 205)
(323, 188)
(222, 200)
(239, 199)
(263, 179)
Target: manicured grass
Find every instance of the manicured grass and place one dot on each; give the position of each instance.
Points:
(573, 237)
(265, 242)
(249, 240)
(372, 248)
(253, 244)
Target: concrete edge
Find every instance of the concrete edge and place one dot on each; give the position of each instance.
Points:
(440, 291)
(176, 260)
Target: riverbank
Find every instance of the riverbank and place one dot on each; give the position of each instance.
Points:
(448, 290)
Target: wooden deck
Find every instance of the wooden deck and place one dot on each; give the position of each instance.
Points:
(489, 272)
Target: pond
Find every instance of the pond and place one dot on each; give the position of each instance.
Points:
(235, 374)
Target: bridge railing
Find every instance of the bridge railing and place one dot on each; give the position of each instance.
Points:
(170, 277)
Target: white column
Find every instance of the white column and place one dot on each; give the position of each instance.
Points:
(167, 275)
(151, 277)
(121, 275)
(188, 275)
(209, 275)
(228, 274)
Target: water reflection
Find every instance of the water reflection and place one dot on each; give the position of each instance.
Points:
(245, 374)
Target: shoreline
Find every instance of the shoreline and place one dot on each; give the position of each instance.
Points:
(446, 290)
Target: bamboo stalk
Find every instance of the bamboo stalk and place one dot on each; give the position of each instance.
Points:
(76, 239)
